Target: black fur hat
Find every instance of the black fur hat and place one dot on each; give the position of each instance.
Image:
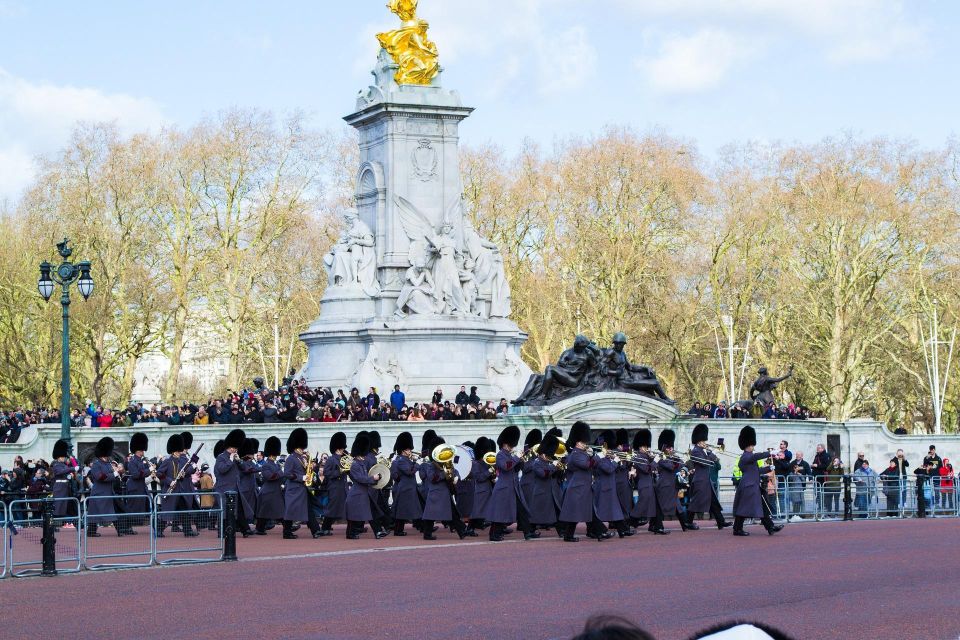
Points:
(482, 446)
(623, 438)
(534, 437)
(433, 444)
(404, 442)
(138, 442)
(175, 443)
(579, 432)
(361, 446)
(61, 449)
(667, 439)
(297, 440)
(607, 437)
(556, 432)
(272, 446)
(250, 447)
(427, 438)
(234, 439)
(104, 447)
(187, 439)
(700, 433)
(510, 435)
(642, 438)
(549, 446)
(375, 442)
(338, 441)
(219, 448)
(748, 437)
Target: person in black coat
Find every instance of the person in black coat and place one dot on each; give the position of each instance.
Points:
(668, 504)
(62, 473)
(336, 480)
(403, 471)
(703, 497)
(577, 505)
(645, 510)
(748, 501)
(270, 500)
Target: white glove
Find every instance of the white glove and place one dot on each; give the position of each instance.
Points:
(305, 478)
(116, 475)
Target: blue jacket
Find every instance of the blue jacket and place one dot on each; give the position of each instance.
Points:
(397, 399)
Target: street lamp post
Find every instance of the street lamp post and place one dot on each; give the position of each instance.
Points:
(65, 275)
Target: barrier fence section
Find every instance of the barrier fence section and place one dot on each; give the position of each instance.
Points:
(24, 531)
(118, 532)
(189, 528)
(4, 521)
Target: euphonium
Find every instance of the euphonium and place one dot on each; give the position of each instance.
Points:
(490, 459)
(443, 455)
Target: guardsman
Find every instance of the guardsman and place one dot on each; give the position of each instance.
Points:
(296, 507)
(506, 501)
(248, 474)
(358, 509)
(703, 497)
(624, 490)
(483, 479)
(138, 471)
(425, 441)
(533, 439)
(747, 501)
(62, 473)
(466, 487)
(227, 471)
(645, 509)
(667, 468)
(270, 500)
(336, 481)
(380, 497)
(172, 481)
(545, 494)
(439, 504)
(606, 503)
(577, 503)
(403, 471)
(102, 474)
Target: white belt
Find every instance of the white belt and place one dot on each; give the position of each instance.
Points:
(59, 481)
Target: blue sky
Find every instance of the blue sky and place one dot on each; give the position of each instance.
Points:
(712, 71)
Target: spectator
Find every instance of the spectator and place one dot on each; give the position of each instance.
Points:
(437, 396)
(397, 398)
(373, 399)
(804, 466)
(474, 399)
(832, 486)
(782, 465)
(900, 431)
(462, 397)
(720, 413)
(796, 484)
(903, 466)
(866, 480)
(859, 461)
(890, 484)
(946, 484)
(694, 410)
(932, 463)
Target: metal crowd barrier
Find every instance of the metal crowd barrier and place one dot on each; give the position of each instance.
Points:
(23, 543)
(185, 532)
(117, 540)
(4, 521)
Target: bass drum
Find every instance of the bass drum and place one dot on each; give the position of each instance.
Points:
(384, 472)
(463, 461)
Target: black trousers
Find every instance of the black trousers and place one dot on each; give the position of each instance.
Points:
(716, 511)
(311, 524)
(765, 521)
(354, 527)
(327, 523)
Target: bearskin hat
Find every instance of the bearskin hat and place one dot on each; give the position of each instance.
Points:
(579, 432)
(187, 439)
(104, 447)
(700, 433)
(250, 447)
(338, 441)
(375, 442)
(666, 440)
(219, 448)
(61, 449)
(555, 432)
(433, 444)
(534, 437)
(272, 446)
(623, 438)
(175, 443)
(297, 440)
(427, 438)
(642, 438)
(482, 446)
(234, 439)
(748, 437)
(404, 442)
(607, 437)
(510, 436)
(361, 445)
(549, 446)
(138, 442)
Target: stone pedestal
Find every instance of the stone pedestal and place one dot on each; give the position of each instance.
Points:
(409, 162)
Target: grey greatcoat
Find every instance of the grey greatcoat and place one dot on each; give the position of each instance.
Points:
(464, 496)
(101, 474)
(248, 484)
(578, 498)
(747, 500)
(482, 487)
(270, 500)
(701, 489)
(502, 507)
(605, 501)
(667, 486)
(375, 498)
(336, 488)
(138, 470)
(624, 491)
(186, 485)
(167, 472)
(526, 479)
(358, 495)
(61, 487)
(228, 479)
(545, 494)
(646, 506)
(295, 499)
(438, 506)
(406, 502)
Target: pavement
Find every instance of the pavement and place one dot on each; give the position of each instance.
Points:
(863, 579)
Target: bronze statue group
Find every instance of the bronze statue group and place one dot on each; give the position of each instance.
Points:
(605, 480)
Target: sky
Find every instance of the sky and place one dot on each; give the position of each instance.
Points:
(712, 72)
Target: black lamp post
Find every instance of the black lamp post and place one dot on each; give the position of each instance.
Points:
(65, 275)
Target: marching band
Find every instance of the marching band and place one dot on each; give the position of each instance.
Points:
(605, 482)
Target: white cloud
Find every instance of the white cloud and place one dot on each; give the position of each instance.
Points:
(687, 64)
(567, 61)
(37, 118)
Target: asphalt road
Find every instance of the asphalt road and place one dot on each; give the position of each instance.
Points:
(824, 580)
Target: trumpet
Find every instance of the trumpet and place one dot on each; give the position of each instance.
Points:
(718, 450)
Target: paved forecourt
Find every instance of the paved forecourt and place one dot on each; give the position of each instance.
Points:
(817, 580)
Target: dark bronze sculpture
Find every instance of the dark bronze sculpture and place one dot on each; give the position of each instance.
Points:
(585, 368)
(762, 388)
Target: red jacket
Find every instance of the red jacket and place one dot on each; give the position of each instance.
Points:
(946, 476)
(104, 421)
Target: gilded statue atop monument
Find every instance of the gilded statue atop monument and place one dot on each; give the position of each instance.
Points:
(409, 45)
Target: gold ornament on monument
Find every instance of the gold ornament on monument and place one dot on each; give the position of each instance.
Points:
(414, 53)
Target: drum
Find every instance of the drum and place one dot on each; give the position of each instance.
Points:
(463, 461)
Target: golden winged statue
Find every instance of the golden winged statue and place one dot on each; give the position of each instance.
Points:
(409, 45)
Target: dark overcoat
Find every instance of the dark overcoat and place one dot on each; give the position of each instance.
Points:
(61, 488)
(747, 500)
(406, 502)
(270, 501)
(483, 482)
(667, 486)
(227, 472)
(701, 489)
(101, 474)
(502, 507)
(138, 470)
(624, 490)
(646, 505)
(577, 503)
(606, 503)
(336, 481)
(248, 484)
(296, 501)
(438, 506)
(358, 495)
(545, 494)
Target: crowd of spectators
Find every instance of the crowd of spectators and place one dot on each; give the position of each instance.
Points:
(747, 410)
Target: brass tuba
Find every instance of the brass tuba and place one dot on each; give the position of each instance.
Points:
(490, 459)
(443, 455)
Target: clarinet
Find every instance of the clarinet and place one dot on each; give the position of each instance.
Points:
(183, 470)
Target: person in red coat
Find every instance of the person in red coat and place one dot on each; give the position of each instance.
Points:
(946, 484)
